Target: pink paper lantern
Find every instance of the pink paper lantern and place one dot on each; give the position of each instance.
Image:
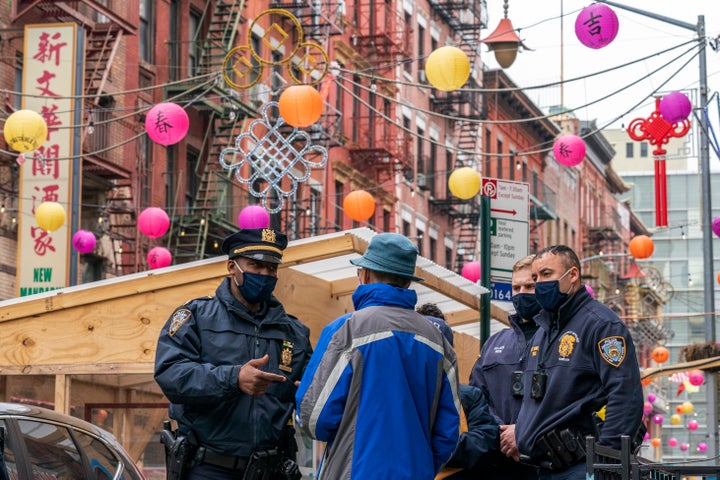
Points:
(651, 397)
(646, 437)
(658, 419)
(673, 442)
(702, 447)
(254, 216)
(675, 107)
(596, 26)
(159, 257)
(590, 290)
(84, 241)
(167, 123)
(693, 425)
(716, 226)
(471, 271)
(647, 408)
(684, 447)
(153, 222)
(569, 150)
(696, 378)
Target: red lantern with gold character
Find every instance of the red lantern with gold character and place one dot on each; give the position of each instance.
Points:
(660, 354)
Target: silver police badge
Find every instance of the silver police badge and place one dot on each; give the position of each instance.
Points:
(612, 350)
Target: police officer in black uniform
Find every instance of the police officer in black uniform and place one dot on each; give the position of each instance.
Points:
(581, 359)
(230, 364)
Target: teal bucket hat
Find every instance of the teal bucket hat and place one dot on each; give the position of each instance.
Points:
(390, 253)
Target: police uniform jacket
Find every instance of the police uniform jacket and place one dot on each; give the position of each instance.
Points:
(382, 390)
(589, 358)
(501, 355)
(199, 354)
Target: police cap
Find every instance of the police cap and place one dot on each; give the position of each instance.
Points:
(263, 244)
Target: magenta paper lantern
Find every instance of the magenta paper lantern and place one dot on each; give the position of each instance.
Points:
(673, 442)
(702, 447)
(153, 222)
(596, 26)
(471, 271)
(159, 257)
(646, 437)
(696, 378)
(254, 216)
(590, 290)
(569, 150)
(167, 123)
(84, 241)
(675, 107)
(647, 408)
(651, 397)
(716, 226)
(693, 425)
(684, 446)
(658, 419)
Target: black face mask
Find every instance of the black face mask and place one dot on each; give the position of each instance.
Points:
(548, 293)
(526, 305)
(256, 287)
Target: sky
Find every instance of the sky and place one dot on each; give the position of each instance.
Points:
(539, 25)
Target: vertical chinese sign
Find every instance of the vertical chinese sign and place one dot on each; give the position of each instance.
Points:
(49, 77)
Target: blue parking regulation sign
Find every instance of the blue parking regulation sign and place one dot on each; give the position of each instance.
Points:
(501, 291)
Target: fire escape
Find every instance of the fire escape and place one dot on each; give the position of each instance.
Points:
(102, 167)
(379, 148)
(466, 106)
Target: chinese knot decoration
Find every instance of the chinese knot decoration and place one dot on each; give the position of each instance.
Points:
(658, 131)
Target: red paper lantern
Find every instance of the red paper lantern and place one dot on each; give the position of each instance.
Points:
(359, 205)
(153, 222)
(167, 123)
(660, 354)
(596, 26)
(675, 107)
(159, 257)
(471, 271)
(641, 246)
(84, 241)
(569, 150)
(254, 216)
(300, 105)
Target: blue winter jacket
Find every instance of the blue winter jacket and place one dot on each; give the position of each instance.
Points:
(382, 390)
(199, 354)
(589, 358)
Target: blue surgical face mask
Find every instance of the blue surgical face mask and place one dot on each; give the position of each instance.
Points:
(526, 305)
(548, 293)
(256, 287)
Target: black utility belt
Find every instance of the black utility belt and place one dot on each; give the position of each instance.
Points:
(230, 462)
(261, 465)
(562, 448)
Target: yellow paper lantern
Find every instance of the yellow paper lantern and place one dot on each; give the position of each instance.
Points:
(687, 407)
(25, 131)
(50, 216)
(675, 419)
(447, 68)
(464, 182)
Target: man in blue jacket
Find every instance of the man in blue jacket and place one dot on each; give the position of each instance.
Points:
(581, 359)
(229, 364)
(500, 370)
(382, 387)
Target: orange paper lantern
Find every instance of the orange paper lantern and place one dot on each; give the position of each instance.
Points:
(660, 354)
(300, 105)
(655, 442)
(718, 278)
(641, 246)
(359, 205)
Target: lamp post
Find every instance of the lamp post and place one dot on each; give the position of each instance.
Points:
(706, 214)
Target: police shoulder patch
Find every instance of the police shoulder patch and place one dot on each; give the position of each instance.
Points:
(178, 319)
(612, 350)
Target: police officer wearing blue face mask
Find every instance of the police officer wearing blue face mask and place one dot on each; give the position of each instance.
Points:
(229, 365)
(581, 359)
(500, 371)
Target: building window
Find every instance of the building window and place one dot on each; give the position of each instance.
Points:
(339, 192)
(513, 165)
(629, 149)
(407, 66)
(448, 258)
(486, 157)
(145, 162)
(386, 220)
(433, 249)
(644, 149)
(419, 152)
(194, 44)
(18, 83)
(191, 178)
(420, 238)
(499, 159)
(421, 51)
(406, 228)
(146, 31)
(173, 41)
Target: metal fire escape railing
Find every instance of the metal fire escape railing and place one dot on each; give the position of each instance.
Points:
(466, 19)
(380, 32)
(320, 19)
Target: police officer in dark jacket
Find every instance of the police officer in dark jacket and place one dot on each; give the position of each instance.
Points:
(581, 359)
(500, 370)
(229, 365)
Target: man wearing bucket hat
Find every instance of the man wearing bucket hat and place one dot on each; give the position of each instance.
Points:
(382, 388)
(229, 364)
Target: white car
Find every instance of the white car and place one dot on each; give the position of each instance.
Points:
(46, 445)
